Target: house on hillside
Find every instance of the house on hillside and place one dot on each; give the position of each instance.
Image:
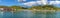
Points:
(1, 9)
(7, 9)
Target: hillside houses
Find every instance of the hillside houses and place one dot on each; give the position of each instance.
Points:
(7, 9)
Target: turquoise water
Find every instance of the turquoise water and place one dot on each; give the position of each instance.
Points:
(29, 14)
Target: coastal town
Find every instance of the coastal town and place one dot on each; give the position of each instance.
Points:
(29, 8)
(18, 8)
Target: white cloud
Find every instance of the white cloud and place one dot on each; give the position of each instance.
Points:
(44, 2)
(21, 0)
(38, 2)
(57, 2)
(18, 0)
(29, 3)
(51, 2)
(54, 2)
(34, 3)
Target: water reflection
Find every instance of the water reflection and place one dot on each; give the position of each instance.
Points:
(1, 14)
(51, 15)
(30, 14)
(57, 14)
(7, 14)
(23, 14)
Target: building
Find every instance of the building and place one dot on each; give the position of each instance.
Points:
(8, 9)
(1, 9)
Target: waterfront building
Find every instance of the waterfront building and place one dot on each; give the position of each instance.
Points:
(1, 9)
(8, 9)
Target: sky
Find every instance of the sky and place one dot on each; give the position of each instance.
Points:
(28, 3)
(8, 2)
(13, 2)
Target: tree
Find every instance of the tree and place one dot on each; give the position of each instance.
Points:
(24, 8)
(48, 7)
(36, 7)
(16, 7)
(3, 6)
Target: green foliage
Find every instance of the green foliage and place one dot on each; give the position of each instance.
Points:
(48, 7)
(3, 6)
(24, 8)
(39, 7)
(16, 7)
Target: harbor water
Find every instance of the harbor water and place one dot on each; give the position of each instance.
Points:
(29, 14)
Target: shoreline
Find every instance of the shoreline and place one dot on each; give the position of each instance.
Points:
(33, 10)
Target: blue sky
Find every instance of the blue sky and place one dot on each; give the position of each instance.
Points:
(11, 2)
(8, 2)
(23, 3)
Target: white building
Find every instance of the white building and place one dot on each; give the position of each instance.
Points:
(1, 9)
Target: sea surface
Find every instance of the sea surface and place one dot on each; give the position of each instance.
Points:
(29, 14)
